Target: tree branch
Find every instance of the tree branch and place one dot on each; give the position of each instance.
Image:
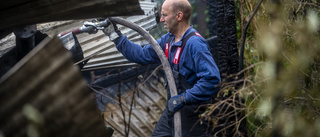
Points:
(244, 35)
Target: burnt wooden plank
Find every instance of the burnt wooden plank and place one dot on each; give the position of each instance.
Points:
(47, 79)
(17, 12)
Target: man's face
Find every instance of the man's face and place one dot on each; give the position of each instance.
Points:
(168, 18)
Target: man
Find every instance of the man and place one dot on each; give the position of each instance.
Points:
(196, 74)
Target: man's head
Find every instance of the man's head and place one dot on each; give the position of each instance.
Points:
(175, 12)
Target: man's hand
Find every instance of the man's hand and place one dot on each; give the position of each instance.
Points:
(175, 103)
(109, 31)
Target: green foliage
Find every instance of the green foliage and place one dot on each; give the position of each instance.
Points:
(283, 45)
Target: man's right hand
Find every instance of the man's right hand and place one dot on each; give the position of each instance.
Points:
(109, 31)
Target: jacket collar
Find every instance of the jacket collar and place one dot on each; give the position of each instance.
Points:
(189, 30)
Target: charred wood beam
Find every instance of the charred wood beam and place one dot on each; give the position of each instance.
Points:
(24, 12)
(223, 44)
(224, 48)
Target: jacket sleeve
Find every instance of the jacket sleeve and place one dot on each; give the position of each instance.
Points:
(206, 71)
(135, 52)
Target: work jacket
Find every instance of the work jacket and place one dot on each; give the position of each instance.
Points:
(196, 64)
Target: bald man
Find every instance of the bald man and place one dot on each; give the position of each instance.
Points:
(196, 74)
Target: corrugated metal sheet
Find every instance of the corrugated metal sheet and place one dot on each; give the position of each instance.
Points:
(47, 79)
(102, 51)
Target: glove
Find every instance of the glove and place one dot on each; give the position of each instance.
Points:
(175, 103)
(109, 31)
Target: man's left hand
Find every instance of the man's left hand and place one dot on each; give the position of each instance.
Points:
(175, 103)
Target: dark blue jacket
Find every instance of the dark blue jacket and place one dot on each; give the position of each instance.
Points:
(196, 63)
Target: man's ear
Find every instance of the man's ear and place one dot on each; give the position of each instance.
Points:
(179, 16)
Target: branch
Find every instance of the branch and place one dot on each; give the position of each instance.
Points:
(120, 105)
(132, 100)
(244, 35)
(310, 4)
